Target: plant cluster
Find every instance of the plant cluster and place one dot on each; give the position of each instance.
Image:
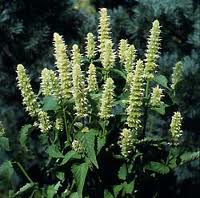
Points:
(96, 105)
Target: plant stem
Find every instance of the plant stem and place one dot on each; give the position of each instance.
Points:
(23, 171)
(65, 121)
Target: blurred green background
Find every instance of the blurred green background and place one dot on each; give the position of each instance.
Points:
(27, 27)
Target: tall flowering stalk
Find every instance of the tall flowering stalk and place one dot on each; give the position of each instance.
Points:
(30, 101)
(122, 51)
(76, 56)
(104, 28)
(107, 100)
(126, 142)
(130, 58)
(108, 56)
(63, 65)
(177, 74)
(92, 79)
(50, 84)
(90, 46)
(152, 53)
(134, 109)
(79, 91)
(28, 96)
(175, 128)
(156, 97)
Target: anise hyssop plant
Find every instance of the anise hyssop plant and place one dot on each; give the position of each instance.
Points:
(94, 112)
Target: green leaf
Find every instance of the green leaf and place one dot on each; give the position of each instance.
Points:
(107, 194)
(122, 173)
(160, 110)
(70, 155)
(90, 147)
(74, 195)
(119, 73)
(101, 141)
(25, 188)
(161, 80)
(53, 189)
(24, 132)
(6, 172)
(117, 189)
(54, 152)
(80, 173)
(4, 143)
(129, 187)
(50, 103)
(189, 156)
(157, 167)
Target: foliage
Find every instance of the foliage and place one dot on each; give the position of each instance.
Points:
(106, 129)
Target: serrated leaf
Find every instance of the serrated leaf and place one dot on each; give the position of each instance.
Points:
(6, 172)
(107, 194)
(122, 173)
(68, 156)
(53, 189)
(50, 103)
(119, 73)
(25, 188)
(117, 189)
(129, 187)
(24, 132)
(90, 147)
(101, 141)
(161, 80)
(189, 156)
(4, 143)
(74, 195)
(80, 173)
(157, 167)
(54, 152)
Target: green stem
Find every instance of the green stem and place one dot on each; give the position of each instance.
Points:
(65, 122)
(23, 171)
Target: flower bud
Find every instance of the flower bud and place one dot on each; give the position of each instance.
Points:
(90, 46)
(92, 79)
(177, 74)
(156, 97)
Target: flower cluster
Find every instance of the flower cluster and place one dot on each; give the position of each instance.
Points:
(79, 91)
(177, 74)
(152, 53)
(59, 124)
(63, 65)
(92, 79)
(30, 101)
(104, 29)
(107, 99)
(78, 147)
(175, 128)
(2, 130)
(134, 109)
(156, 97)
(126, 142)
(49, 84)
(76, 56)
(90, 46)
(28, 96)
(130, 58)
(122, 51)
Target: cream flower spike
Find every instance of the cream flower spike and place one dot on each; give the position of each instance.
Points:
(152, 53)
(28, 96)
(92, 79)
(135, 102)
(108, 56)
(122, 50)
(90, 46)
(63, 65)
(44, 123)
(50, 84)
(130, 58)
(104, 28)
(107, 99)
(177, 74)
(76, 56)
(126, 142)
(156, 97)
(79, 91)
(175, 128)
